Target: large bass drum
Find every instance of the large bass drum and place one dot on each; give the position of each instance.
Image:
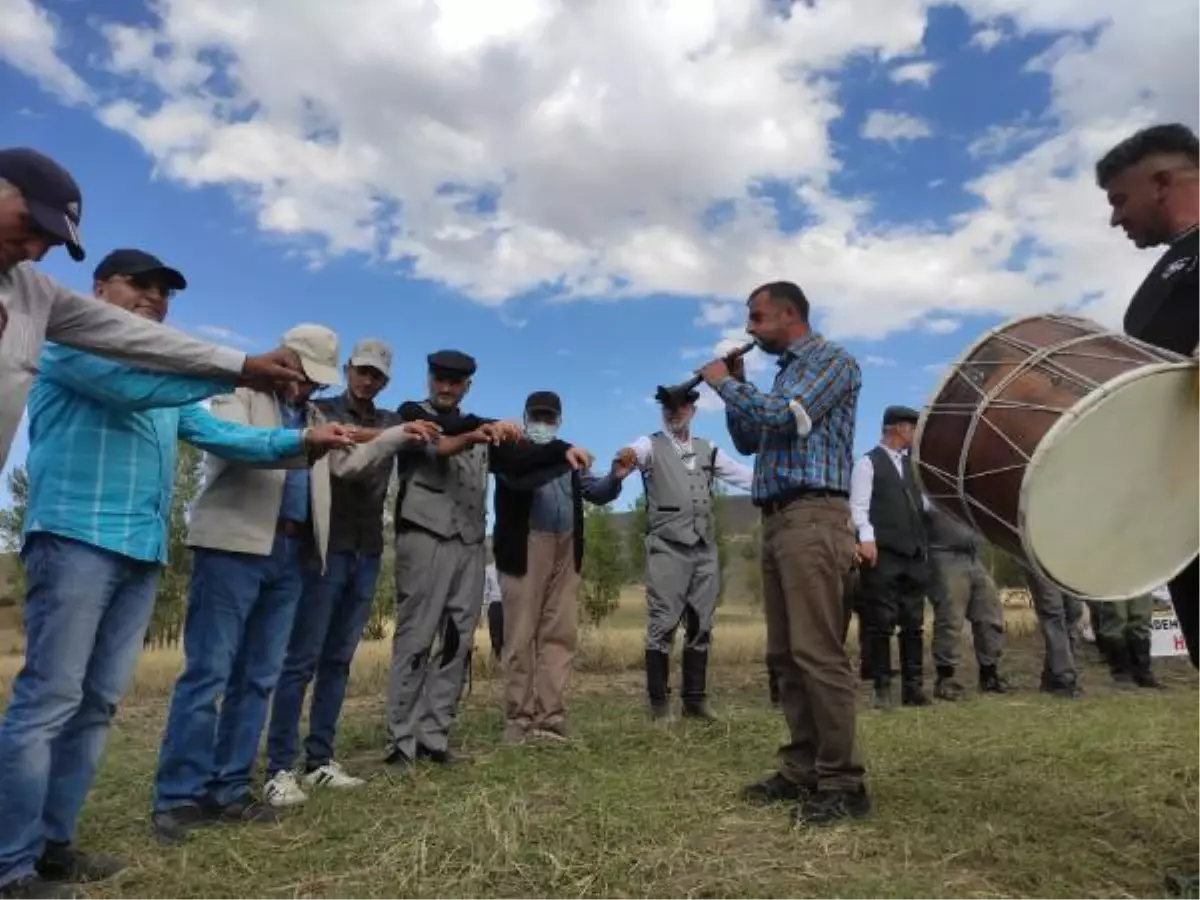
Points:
(1072, 447)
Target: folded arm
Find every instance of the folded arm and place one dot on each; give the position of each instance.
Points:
(86, 323)
(599, 489)
(123, 387)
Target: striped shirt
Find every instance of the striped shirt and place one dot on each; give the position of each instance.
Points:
(102, 449)
(818, 381)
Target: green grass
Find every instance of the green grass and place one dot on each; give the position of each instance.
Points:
(995, 796)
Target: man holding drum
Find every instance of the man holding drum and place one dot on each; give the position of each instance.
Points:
(801, 433)
(1151, 179)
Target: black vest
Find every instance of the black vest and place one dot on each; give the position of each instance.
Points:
(896, 507)
(510, 535)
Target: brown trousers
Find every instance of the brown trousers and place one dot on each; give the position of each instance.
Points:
(541, 630)
(808, 565)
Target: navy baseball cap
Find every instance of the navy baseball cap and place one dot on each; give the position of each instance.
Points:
(51, 194)
(138, 262)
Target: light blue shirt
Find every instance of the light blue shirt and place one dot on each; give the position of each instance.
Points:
(553, 510)
(102, 449)
(294, 505)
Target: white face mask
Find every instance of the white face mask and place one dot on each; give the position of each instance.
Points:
(541, 432)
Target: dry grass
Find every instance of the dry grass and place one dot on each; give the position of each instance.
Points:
(998, 796)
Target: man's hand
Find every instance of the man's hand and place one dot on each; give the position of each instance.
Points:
(714, 372)
(578, 458)
(423, 432)
(329, 436)
(868, 553)
(279, 366)
(624, 463)
(363, 435)
(502, 432)
(737, 367)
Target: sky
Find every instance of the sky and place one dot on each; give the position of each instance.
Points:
(582, 194)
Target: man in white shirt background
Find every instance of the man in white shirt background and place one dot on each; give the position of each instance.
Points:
(893, 547)
(682, 574)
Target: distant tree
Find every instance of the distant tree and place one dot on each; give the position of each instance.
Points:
(604, 565)
(635, 543)
(12, 523)
(170, 605)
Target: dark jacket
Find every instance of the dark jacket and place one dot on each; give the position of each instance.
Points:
(514, 504)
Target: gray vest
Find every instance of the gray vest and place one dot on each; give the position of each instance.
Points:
(678, 499)
(895, 507)
(448, 495)
(948, 533)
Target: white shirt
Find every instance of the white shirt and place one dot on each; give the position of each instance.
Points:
(491, 586)
(862, 480)
(729, 470)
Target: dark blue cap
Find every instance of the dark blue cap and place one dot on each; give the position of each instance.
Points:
(138, 262)
(894, 415)
(51, 194)
(451, 362)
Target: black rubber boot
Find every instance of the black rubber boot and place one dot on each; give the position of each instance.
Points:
(946, 688)
(992, 682)
(1140, 662)
(694, 692)
(1118, 658)
(658, 665)
(773, 684)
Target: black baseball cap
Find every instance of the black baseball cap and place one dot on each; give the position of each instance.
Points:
(544, 401)
(51, 194)
(453, 363)
(138, 262)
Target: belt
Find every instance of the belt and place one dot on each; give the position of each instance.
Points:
(774, 504)
(290, 527)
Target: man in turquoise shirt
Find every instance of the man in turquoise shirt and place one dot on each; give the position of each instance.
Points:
(101, 465)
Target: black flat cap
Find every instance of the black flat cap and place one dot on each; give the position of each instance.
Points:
(451, 362)
(51, 194)
(894, 415)
(138, 262)
(672, 398)
(544, 401)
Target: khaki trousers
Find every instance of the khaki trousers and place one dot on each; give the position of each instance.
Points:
(541, 631)
(808, 565)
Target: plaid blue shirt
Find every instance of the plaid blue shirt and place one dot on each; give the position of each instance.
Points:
(823, 379)
(102, 448)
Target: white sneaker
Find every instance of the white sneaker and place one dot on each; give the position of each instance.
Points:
(283, 790)
(331, 775)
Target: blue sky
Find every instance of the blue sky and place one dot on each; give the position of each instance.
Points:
(947, 146)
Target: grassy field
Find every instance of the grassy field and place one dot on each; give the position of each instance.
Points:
(995, 796)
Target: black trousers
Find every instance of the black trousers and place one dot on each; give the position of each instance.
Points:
(495, 617)
(1185, 597)
(891, 595)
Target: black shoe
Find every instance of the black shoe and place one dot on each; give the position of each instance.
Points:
(947, 689)
(36, 887)
(776, 789)
(62, 862)
(1139, 664)
(248, 809)
(992, 682)
(1065, 689)
(882, 697)
(912, 693)
(831, 807)
(440, 757)
(172, 825)
(397, 759)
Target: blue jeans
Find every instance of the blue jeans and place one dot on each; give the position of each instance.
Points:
(329, 623)
(239, 616)
(86, 613)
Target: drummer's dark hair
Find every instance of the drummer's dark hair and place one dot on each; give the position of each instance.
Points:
(1173, 138)
(785, 292)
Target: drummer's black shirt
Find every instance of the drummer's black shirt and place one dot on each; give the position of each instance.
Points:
(1165, 311)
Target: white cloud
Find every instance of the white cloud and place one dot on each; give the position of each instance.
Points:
(987, 38)
(224, 335)
(30, 42)
(920, 72)
(879, 362)
(940, 325)
(604, 134)
(1000, 139)
(890, 126)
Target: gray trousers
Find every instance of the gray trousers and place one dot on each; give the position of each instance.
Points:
(681, 581)
(962, 590)
(1059, 616)
(439, 598)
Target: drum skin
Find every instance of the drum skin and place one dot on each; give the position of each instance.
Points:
(977, 436)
